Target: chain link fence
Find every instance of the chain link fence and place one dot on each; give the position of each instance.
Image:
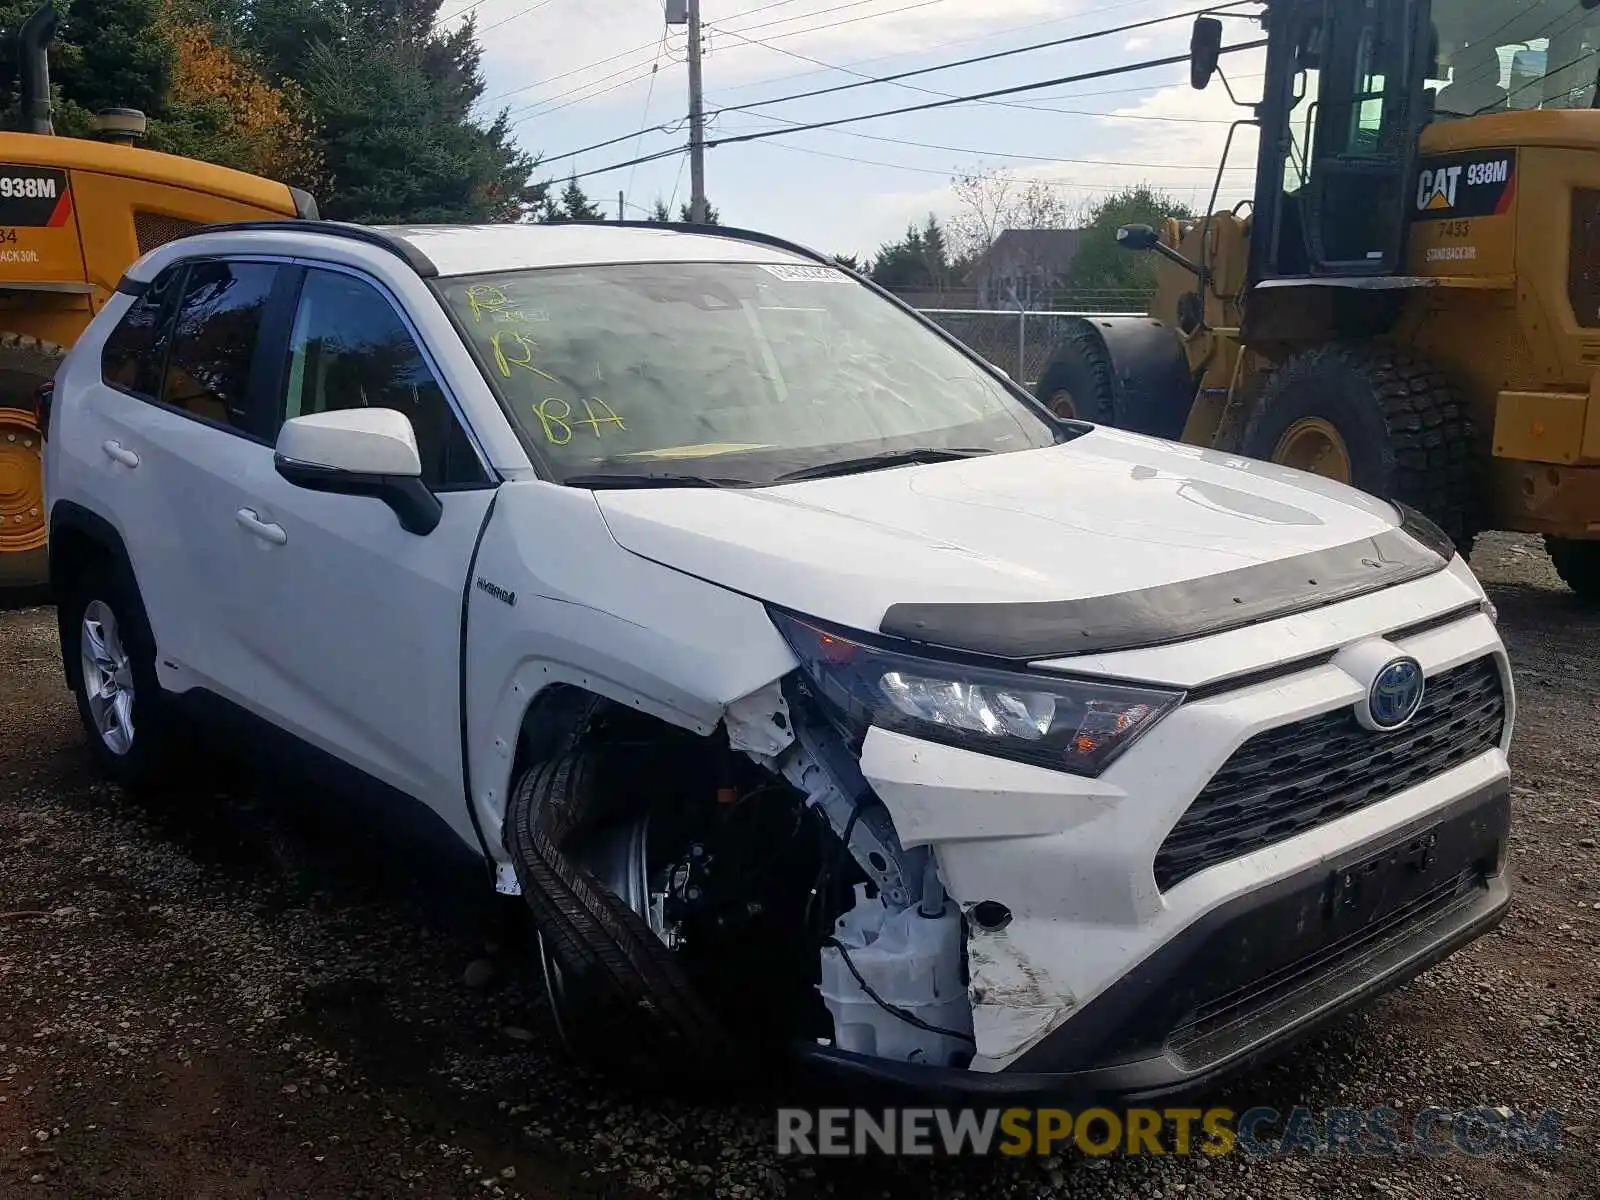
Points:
(1019, 343)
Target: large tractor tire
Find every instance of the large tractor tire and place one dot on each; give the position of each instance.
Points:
(1377, 418)
(1078, 384)
(1578, 563)
(25, 363)
(1128, 372)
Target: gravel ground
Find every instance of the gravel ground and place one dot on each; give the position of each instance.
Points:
(231, 994)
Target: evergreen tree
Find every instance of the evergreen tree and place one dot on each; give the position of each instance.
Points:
(106, 53)
(572, 205)
(392, 96)
(918, 262)
(713, 217)
(363, 102)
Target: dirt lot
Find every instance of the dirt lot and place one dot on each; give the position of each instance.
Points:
(230, 994)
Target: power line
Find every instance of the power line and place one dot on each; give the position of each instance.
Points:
(760, 135)
(1116, 6)
(1041, 158)
(575, 71)
(849, 20)
(1053, 183)
(659, 154)
(866, 80)
(768, 7)
(821, 12)
(461, 12)
(591, 90)
(668, 127)
(521, 12)
(644, 118)
(1015, 89)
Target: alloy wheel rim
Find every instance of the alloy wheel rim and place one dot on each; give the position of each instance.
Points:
(107, 677)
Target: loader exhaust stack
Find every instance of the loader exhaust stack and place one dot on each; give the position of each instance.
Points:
(33, 62)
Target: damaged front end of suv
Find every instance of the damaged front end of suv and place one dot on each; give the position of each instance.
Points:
(978, 877)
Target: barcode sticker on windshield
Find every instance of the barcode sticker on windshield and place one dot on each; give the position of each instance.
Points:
(795, 273)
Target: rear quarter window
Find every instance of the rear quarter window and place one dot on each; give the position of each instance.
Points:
(131, 358)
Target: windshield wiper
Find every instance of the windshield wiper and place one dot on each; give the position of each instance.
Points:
(602, 480)
(873, 462)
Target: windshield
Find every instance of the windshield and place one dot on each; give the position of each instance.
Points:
(1499, 55)
(738, 371)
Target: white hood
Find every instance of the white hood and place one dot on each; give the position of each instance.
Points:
(1106, 513)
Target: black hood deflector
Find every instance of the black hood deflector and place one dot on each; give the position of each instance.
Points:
(1176, 611)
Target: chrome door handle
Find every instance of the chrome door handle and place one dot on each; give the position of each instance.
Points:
(265, 530)
(117, 452)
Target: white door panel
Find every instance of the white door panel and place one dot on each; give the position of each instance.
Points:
(174, 484)
(355, 638)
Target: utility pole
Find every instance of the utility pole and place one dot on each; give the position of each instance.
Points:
(687, 12)
(622, 200)
(697, 122)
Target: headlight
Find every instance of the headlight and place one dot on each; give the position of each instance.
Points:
(1072, 725)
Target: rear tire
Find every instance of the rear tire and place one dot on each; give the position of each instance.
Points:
(1578, 563)
(107, 642)
(1405, 430)
(630, 1008)
(1079, 383)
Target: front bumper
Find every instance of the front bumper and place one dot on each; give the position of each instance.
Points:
(1255, 974)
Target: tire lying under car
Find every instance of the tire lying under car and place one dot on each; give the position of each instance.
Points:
(635, 1009)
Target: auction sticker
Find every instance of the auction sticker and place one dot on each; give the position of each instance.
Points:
(796, 273)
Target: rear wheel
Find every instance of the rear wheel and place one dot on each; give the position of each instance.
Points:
(1578, 564)
(1376, 418)
(107, 641)
(25, 363)
(1079, 384)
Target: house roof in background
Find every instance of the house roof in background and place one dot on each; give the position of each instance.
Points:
(1015, 251)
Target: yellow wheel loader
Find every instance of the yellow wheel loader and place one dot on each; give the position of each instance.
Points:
(74, 213)
(1410, 303)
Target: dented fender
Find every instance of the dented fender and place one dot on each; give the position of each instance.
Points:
(560, 602)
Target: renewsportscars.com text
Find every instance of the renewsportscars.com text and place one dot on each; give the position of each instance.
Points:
(1376, 1132)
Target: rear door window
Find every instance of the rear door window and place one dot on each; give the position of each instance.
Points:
(214, 340)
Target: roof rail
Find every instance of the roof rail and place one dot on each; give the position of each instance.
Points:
(413, 258)
(727, 231)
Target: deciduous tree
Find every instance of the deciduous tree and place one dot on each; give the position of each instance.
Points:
(1100, 262)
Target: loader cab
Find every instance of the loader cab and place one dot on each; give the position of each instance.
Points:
(1340, 113)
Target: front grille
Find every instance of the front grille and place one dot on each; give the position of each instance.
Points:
(1287, 780)
(1229, 1023)
(1277, 987)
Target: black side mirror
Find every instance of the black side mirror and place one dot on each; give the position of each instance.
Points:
(1137, 237)
(1205, 50)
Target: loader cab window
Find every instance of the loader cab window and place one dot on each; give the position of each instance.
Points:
(1345, 95)
(1513, 55)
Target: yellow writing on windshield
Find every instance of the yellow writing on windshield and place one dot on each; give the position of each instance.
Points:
(556, 420)
(521, 345)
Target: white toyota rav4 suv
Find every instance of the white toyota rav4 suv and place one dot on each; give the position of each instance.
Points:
(817, 690)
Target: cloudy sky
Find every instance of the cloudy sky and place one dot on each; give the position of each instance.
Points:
(577, 72)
